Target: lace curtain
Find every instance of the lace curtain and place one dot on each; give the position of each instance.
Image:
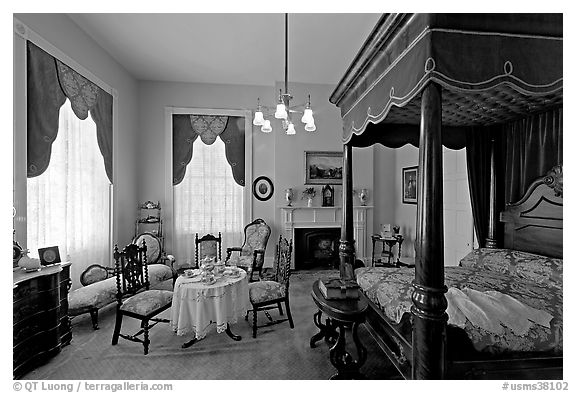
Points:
(207, 200)
(69, 204)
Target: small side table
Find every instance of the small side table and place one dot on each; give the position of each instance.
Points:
(390, 242)
(340, 314)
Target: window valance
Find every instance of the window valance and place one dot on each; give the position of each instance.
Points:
(186, 128)
(49, 83)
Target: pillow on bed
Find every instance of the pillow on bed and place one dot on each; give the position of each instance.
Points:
(525, 265)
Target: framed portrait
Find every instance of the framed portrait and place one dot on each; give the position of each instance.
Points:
(323, 167)
(262, 188)
(49, 255)
(409, 184)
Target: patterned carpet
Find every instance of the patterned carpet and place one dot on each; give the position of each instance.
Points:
(277, 353)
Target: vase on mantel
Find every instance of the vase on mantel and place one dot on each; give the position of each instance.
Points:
(289, 196)
(310, 201)
(363, 196)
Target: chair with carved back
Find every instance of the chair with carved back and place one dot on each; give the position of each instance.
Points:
(208, 246)
(251, 254)
(270, 294)
(134, 297)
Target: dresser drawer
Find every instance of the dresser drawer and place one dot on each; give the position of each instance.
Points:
(35, 348)
(39, 284)
(30, 326)
(35, 303)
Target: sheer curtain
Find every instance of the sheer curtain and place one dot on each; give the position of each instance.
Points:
(208, 200)
(69, 205)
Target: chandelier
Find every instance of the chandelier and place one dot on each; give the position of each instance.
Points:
(283, 110)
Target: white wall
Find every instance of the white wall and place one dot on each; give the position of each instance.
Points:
(276, 155)
(457, 209)
(405, 214)
(65, 35)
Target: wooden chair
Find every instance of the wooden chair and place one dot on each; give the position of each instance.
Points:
(251, 258)
(134, 297)
(269, 294)
(208, 246)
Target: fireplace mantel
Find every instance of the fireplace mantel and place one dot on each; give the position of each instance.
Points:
(325, 217)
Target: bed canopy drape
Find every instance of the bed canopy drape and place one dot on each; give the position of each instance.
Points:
(458, 80)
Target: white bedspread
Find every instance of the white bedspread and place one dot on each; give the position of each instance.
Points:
(491, 310)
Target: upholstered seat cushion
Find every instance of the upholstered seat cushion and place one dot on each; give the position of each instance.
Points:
(102, 293)
(262, 291)
(146, 302)
(245, 261)
(95, 295)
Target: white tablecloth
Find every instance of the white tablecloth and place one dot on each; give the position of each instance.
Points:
(195, 306)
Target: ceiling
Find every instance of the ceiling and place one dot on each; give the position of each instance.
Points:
(245, 49)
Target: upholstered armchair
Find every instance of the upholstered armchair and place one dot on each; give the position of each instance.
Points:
(251, 254)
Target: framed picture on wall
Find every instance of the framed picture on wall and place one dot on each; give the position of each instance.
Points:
(409, 184)
(323, 167)
(262, 188)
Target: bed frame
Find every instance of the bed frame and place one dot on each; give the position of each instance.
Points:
(533, 224)
(409, 83)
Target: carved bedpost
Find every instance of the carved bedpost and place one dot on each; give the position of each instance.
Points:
(429, 302)
(347, 235)
(493, 218)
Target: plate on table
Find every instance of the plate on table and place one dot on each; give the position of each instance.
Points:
(195, 278)
(194, 273)
(211, 282)
(231, 272)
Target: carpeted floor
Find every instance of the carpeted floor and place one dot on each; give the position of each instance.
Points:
(277, 353)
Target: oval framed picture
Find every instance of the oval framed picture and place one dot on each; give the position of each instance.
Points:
(262, 188)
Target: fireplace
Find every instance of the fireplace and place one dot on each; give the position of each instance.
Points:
(316, 248)
(296, 218)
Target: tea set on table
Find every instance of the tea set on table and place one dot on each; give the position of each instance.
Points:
(210, 271)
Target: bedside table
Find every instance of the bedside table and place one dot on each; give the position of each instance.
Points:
(340, 315)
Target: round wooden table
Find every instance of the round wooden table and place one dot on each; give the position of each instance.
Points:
(340, 315)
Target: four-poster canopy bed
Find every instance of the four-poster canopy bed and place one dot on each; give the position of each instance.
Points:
(463, 80)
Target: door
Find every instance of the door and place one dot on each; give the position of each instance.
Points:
(458, 223)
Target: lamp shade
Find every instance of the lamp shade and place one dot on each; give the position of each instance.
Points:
(307, 117)
(266, 127)
(290, 130)
(258, 119)
(310, 126)
(281, 112)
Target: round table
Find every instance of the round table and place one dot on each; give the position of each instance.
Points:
(340, 315)
(196, 305)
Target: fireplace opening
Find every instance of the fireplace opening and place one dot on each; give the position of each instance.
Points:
(316, 248)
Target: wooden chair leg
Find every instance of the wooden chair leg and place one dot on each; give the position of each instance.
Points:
(117, 327)
(146, 338)
(254, 322)
(289, 314)
(280, 308)
(94, 318)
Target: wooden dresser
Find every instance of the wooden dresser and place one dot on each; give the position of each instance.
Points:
(40, 316)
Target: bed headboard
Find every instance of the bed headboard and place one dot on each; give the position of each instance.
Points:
(535, 223)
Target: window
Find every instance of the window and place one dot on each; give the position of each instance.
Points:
(208, 200)
(69, 204)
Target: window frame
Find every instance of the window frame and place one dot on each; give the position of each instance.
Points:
(23, 33)
(168, 208)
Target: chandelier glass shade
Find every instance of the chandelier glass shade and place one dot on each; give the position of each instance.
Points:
(283, 111)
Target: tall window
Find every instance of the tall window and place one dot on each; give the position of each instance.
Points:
(69, 204)
(208, 200)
